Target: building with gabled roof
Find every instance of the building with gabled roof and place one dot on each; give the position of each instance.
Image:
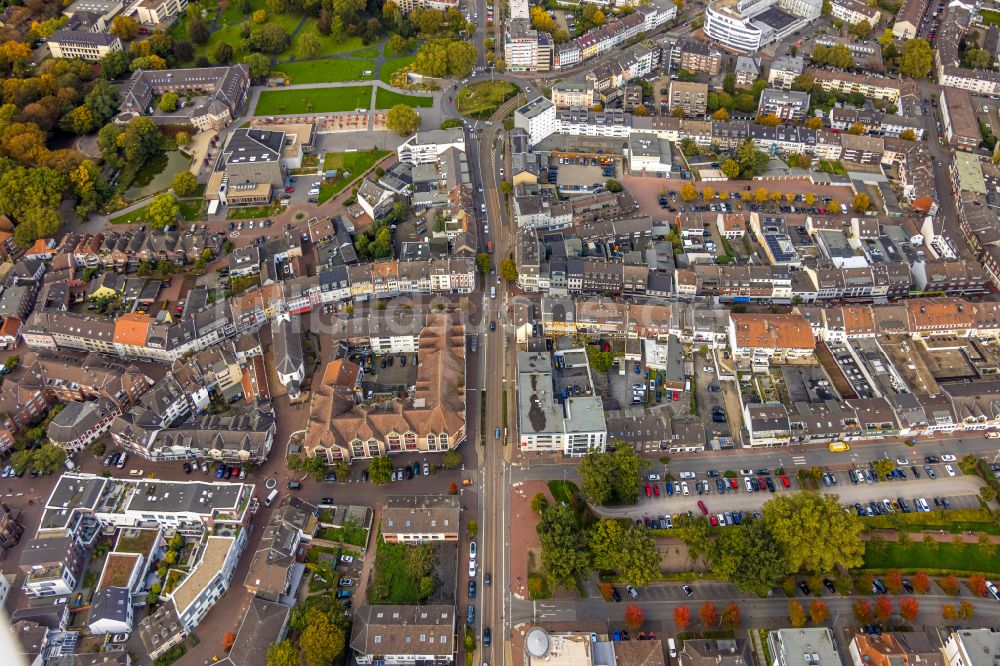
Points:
(411, 634)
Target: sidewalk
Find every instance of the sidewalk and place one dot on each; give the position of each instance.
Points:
(522, 532)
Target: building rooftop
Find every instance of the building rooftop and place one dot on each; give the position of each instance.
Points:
(535, 107)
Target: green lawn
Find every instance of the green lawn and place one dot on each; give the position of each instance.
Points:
(137, 216)
(386, 99)
(889, 555)
(317, 100)
(355, 164)
(392, 65)
(563, 491)
(191, 209)
(481, 100)
(989, 17)
(325, 71)
(350, 46)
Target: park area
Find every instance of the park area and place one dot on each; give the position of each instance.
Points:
(329, 70)
(481, 100)
(314, 100)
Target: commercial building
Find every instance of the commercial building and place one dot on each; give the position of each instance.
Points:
(691, 97)
(552, 417)
(758, 339)
(972, 647)
(785, 104)
(789, 647)
(746, 26)
(82, 44)
(426, 147)
(249, 169)
(420, 518)
(537, 118)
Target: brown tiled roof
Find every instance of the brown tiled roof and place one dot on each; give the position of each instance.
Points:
(773, 331)
(939, 313)
(132, 329)
(858, 319)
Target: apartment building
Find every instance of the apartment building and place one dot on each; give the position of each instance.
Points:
(747, 70)
(405, 634)
(785, 104)
(692, 97)
(571, 423)
(156, 12)
(537, 118)
(908, 19)
(961, 124)
(874, 87)
(897, 647)
(971, 647)
(784, 70)
(855, 11)
(788, 647)
(573, 94)
(700, 57)
(757, 339)
(293, 522)
(420, 518)
(526, 49)
(407, 6)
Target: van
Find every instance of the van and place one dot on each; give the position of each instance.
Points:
(70, 465)
(672, 647)
(313, 192)
(493, 292)
(271, 496)
(121, 461)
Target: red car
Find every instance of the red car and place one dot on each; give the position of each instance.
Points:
(289, 190)
(704, 509)
(656, 490)
(714, 521)
(649, 490)
(732, 483)
(784, 481)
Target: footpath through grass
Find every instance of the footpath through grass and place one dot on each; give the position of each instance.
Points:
(314, 100)
(481, 100)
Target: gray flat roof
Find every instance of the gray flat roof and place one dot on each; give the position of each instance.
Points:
(193, 496)
(535, 107)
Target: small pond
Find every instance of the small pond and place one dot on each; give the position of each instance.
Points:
(157, 174)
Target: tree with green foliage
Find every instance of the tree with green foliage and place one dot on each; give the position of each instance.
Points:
(564, 555)
(613, 185)
(451, 123)
(396, 45)
(814, 532)
(916, 59)
(630, 551)
(322, 641)
(506, 187)
(168, 103)
(141, 139)
(484, 262)
(198, 31)
(114, 64)
(223, 53)
(283, 654)
(402, 119)
(976, 58)
(452, 459)
(748, 557)
(861, 30)
(258, 64)
(124, 28)
(508, 270)
(185, 183)
(442, 58)
(380, 470)
(163, 210)
(309, 45)
(611, 477)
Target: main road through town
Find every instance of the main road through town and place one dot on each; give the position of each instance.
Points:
(496, 378)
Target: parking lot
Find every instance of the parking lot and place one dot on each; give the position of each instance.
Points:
(959, 491)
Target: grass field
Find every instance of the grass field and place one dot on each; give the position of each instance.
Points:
(481, 100)
(989, 17)
(563, 491)
(354, 164)
(386, 99)
(888, 555)
(137, 216)
(399, 576)
(330, 70)
(317, 100)
(392, 65)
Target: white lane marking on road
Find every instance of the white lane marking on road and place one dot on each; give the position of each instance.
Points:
(798, 460)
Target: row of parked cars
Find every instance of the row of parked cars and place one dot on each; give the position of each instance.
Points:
(411, 471)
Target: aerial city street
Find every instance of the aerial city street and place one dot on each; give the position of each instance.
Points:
(500, 332)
